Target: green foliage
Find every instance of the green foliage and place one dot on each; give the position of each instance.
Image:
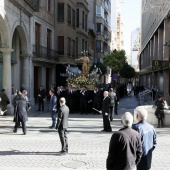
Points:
(115, 60)
(127, 71)
(102, 67)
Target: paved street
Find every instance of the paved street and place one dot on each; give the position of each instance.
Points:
(88, 146)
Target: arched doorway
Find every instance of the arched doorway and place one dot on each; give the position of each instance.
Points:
(19, 58)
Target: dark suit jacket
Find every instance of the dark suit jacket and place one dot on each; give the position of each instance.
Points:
(41, 93)
(53, 104)
(62, 120)
(105, 105)
(125, 150)
(20, 110)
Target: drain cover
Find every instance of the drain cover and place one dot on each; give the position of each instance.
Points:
(74, 164)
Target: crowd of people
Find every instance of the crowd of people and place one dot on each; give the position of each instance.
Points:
(80, 101)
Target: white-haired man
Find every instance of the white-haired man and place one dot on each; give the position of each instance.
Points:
(148, 138)
(125, 148)
(62, 125)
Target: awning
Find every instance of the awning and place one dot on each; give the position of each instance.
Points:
(74, 70)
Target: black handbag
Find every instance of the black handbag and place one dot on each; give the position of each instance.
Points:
(7, 102)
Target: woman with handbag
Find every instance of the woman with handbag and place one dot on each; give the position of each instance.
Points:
(159, 113)
(4, 101)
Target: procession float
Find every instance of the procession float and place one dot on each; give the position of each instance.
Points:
(85, 77)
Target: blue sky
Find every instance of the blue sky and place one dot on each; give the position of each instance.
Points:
(131, 13)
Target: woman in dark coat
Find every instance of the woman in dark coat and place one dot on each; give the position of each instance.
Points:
(20, 114)
(159, 113)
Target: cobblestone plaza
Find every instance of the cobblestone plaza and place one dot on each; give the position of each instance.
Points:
(88, 146)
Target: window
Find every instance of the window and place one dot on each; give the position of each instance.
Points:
(77, 18)
(99, 11)
(69, 14)
(49, 5)
(48, 41)
(82, 44)
(98, 46)
(73, 48)
(61, 45)
(86, 23)
(37, 38)
(68, 46)
(98, 28)
(73, 18)
(83, 20)
(77, 46)
(60, 12)
(85, 45)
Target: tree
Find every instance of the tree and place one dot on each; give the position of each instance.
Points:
(127, 71)
(115, 60)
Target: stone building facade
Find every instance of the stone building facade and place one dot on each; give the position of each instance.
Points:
(155, 45)
(27, 45)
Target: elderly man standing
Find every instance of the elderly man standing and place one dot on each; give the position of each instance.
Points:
(125, 148)
(105, 112)
(148, 138)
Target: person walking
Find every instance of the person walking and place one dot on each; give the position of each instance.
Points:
(112, 96)
(20, 114)
(62, 125)
(105, 112)
(125, 149)
(41, 98)
(148, 138)
(53, 108)
(4, 102)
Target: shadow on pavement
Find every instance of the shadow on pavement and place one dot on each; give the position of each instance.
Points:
(17, 152)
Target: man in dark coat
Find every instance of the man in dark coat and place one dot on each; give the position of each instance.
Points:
(53, 108)
(97, 98)
(69, 95)
(20, 114)
(62, 125)
(105, 112)
(41, 98)
(83, 100)
(59, 94)
(125, 148)
(148, 138)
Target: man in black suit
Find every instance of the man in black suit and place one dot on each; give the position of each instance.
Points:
(69, 95)
(105, 112)
(41, 98)
(97, 98)
(83, 100)
(62, 125)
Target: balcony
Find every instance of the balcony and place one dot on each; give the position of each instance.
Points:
(27, 6)
(44, 54)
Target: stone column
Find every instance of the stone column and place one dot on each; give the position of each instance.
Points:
(25, 71)
(7, 69)
(6, 75)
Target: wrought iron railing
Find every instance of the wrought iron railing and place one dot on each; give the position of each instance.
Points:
(44, 53)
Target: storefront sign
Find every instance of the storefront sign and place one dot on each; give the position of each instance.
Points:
(159, 64)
